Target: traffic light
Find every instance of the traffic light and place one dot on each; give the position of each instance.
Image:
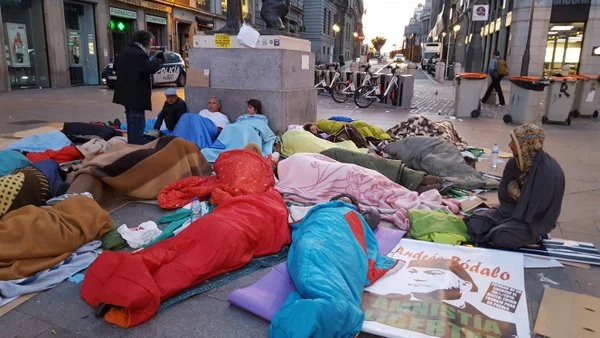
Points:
(117, 25)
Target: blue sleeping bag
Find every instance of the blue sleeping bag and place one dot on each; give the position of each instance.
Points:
(333, 256)
(196, 129)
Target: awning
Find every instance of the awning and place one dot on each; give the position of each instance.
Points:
(438, 28)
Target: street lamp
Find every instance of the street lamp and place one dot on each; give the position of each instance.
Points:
(336, 29)
(355, 34)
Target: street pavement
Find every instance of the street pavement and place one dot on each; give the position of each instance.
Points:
(61, 313)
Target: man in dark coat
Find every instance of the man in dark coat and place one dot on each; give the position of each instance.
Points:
(133, 88)
(172, 110)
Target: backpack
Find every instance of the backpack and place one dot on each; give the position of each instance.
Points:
(502, 68)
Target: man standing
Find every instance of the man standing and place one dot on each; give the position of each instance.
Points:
(496, 78)
(133, 88)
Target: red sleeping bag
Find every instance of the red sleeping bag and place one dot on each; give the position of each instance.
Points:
(237, 230)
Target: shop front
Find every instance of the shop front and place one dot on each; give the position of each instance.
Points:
(565, 37)
(122, 27)
(24, 37)
(157, 25)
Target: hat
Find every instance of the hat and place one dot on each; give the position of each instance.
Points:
(529, 139)
(170, 92)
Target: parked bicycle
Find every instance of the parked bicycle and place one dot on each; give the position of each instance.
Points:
(341, 91)
(324, 85)
(367, 94)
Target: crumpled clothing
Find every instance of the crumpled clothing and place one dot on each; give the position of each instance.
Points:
(140, 235)
(65, 154)
(437, 226)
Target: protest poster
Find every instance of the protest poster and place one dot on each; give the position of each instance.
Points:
(448, 291)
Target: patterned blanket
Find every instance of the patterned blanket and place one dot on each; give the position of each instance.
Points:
(422, 126)
(139, 172)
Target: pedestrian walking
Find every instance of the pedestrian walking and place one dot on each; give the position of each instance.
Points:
(497, 70)
(133, 89)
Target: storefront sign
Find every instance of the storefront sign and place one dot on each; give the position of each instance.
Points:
(123, 13)
(448, 291)
(223, 40)
(156, 19)
(481, 12)
(570, 2)
(148, 4)
(498, 24)
(570, 11)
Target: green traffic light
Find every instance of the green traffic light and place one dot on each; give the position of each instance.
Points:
(121, 26)
(112, 25)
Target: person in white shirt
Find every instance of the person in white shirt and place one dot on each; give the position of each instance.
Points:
(213, 113)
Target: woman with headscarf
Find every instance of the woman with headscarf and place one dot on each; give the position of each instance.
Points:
(530, 194)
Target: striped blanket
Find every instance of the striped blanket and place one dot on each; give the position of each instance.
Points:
(139, 172)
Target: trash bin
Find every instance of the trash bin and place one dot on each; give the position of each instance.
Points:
(560, 99)
(587, 97)
(524, 98)
(467, 91)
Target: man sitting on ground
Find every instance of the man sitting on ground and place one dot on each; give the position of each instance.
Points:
(214, 114)
(530, 194)
(172, 110)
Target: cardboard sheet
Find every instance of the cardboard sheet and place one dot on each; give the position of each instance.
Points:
(568, 314)
(6, 308)
(198, 77)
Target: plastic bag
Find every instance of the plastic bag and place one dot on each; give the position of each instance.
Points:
(248, 36)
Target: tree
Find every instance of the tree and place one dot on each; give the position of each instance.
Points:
(378, 42)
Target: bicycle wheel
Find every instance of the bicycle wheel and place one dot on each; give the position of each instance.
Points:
(336, 93)
(360, 96)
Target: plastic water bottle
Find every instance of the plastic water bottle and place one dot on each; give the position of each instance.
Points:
(495, 152)
(196, 209)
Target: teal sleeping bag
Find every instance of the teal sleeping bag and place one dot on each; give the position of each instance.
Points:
(333, 256)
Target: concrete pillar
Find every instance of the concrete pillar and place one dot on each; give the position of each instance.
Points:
(539, 35)
(4, 80)
(57, 43)
(591, 64)
(141, 20)
(102, 34)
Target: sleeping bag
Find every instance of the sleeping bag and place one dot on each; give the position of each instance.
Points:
(237, 230)
(333, 256)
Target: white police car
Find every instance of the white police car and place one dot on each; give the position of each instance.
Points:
(172, 71)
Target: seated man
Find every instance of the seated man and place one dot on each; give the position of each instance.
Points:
(530, 194)
(214, 114)
(172, 110)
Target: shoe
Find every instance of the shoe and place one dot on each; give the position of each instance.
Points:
(482, 101)
(500, 105)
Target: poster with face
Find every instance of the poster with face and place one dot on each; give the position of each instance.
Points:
(17, 45)
(448, 291)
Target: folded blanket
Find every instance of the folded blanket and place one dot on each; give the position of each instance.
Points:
(300, 141)
(322, 178)
(393, 169)
(33, 239)
(139, 172)
(226, 239)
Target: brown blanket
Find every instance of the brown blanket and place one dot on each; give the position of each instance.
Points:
(139, 172)
(33, 239)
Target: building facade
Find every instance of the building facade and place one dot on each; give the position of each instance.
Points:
(334, 27)
(62, 43)
(564, 35)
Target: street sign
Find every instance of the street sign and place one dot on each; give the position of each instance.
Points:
(481, 12)
(123, 13)
(156, 19)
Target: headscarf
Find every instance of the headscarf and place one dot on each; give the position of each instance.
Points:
(529, 140)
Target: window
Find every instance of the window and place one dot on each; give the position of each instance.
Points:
(171, 58)
(324, 20)
(563, 47)
(324, 48)
(329, 26)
